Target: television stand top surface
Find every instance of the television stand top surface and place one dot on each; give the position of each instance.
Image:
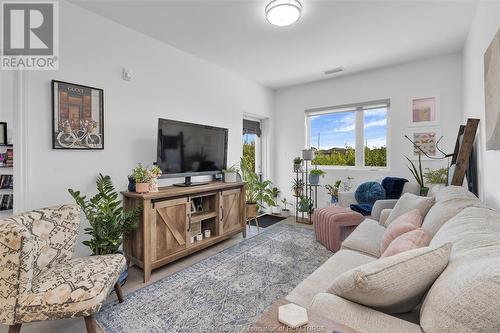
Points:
(173, 191)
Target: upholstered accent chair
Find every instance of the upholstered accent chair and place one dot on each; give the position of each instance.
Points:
(39, 280)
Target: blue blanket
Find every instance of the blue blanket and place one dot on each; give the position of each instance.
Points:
(364, 209)
(393, 187)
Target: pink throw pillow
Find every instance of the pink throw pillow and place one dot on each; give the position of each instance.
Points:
(411, 240)
(402, 224)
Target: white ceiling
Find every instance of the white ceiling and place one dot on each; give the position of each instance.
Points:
(357, 35)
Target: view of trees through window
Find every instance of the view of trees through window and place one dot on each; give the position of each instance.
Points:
(249, 148)
(333, 136)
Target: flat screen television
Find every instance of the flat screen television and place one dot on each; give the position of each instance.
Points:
(187, 149)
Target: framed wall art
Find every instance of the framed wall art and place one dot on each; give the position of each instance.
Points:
(492, 93)
(424, 111)
(426, 139)
(77, 116)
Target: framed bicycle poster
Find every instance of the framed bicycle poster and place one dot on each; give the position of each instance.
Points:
(77, 116)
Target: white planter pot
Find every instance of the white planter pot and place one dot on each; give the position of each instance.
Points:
(276, 210)
(285, 212)
(230, 177)
(307, 154)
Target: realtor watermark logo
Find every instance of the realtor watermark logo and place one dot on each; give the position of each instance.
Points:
(30, 35)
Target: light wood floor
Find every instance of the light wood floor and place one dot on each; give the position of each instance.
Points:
(134, 282)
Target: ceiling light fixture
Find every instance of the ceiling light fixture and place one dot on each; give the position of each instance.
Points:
(283, 12)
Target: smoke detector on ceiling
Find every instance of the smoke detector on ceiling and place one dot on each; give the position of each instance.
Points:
(334, 70)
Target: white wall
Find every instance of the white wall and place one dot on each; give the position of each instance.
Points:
(484, 26)
(166, 83)
(442, 75)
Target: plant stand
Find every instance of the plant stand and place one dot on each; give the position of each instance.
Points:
(309, 192)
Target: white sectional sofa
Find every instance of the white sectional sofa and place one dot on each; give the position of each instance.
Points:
(464, 298)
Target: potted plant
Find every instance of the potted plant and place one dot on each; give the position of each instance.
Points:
(154, 173)
(257, 192)
(333, 190)
(437, 177)
(108, 221)
(230, 174)
(314, 175)
(297, 164)
(285, 212)
(275, 192)
(417, 173)
(308, 154)
(142, 177)
(298, 187)
(305, 205)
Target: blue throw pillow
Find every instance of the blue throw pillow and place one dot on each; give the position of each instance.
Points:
(369, 192)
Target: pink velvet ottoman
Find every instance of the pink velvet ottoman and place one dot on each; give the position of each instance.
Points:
(333, 224)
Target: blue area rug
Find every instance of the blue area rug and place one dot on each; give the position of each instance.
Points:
(225, 292)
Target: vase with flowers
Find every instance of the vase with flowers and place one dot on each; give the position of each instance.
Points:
(333, 191)
(142, 177)
(154, 173)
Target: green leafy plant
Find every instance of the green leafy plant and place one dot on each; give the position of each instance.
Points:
(297, 160)
(154, 171)
(108, 221)
(257, 191)
(317, 172)
(232, 169)
(298, 187)
(141, 174)
(417, 172)
(305, 205)
(275, 192)
(333, 190)
(438, 176)
(286, 203)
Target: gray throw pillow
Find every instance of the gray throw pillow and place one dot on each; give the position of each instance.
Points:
(394, 284)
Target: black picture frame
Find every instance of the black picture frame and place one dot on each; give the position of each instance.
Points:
(3, 134)
(75, 124)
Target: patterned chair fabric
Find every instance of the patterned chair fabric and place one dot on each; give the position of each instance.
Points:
(38, 278)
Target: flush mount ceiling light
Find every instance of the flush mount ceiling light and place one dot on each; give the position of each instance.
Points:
(283, 12)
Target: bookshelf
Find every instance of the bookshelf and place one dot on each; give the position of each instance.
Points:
(6, 180)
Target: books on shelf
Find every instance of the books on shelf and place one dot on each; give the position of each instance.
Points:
(6, 181)
(6, 201)
(7, 158)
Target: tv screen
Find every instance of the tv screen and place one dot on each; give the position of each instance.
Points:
(186, 149)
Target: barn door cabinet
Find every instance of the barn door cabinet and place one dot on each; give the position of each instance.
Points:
(173, 215)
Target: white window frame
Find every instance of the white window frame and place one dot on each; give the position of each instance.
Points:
(261, 145)
(359, 108)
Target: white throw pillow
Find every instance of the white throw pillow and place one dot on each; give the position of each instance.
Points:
(394, 284)
(408, 202)
(449, 202)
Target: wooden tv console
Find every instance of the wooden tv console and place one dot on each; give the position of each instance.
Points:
(171, 216)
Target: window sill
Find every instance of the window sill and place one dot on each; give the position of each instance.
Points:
(350, 168)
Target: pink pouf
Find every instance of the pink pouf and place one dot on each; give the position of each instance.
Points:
(333, 224)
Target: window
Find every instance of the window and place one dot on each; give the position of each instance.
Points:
(252, 143)
(352, 135)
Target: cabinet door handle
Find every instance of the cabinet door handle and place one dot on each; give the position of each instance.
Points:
(222, 209)
(189, 225)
